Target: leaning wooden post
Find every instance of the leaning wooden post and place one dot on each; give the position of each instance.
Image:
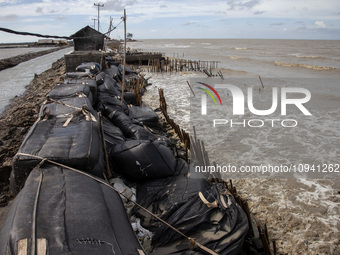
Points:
(124, 60)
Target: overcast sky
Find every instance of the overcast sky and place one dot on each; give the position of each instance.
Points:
(282, 19)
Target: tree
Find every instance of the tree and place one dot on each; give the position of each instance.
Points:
(129, 36)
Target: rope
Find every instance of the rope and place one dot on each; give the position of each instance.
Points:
(192, 241)
(84, 110)
(43, 36)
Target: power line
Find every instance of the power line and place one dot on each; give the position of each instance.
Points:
(44, 36)
(34, 34)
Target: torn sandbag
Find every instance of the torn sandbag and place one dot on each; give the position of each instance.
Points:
(91, 67)
(144, 114)
(60, 211)
(205, 212)
(66, 132)
(63, 90)
(142, 160)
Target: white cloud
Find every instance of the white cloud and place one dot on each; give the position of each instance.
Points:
(320, 24)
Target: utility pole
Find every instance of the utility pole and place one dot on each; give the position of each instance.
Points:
(94, 23)
(98, 5)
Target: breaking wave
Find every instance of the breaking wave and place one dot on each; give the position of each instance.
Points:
(314, 67)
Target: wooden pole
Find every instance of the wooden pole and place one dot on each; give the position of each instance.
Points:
(124, 60)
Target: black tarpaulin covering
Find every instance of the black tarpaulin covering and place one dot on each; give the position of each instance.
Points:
(66, 132)
(140, 160)
(71, 213)
(90, 82)
(130, 128)
(213, 218)
(113, 135)
(93, 67)
(144, 114)
(61, 91)
(77, 75)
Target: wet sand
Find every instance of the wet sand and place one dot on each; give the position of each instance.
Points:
(19, 116)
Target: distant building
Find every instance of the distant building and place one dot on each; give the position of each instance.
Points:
(45, 42)
(88, 38)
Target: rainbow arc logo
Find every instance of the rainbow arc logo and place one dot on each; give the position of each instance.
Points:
(209, 93)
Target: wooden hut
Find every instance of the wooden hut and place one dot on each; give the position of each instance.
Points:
(88, 38)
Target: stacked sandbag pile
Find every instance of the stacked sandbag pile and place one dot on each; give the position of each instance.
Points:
(66, 131)
(198, 208)
(75, 211)
(134, 151)
(65, 206)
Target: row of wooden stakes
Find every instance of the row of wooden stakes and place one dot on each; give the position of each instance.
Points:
(182, 134)
(179, 65)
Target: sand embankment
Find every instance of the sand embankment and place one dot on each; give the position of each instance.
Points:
(13, 61)
(20, 115)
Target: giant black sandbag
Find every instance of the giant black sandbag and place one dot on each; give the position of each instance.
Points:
(142, 160)
(144, 114)
(90, 82)
(112, 134)
(63, 90)
(93, 67)
(114, 72)
(204, 211)
(66, 132)
(108, 103)
(77, 75)
(109, 85)
(61, 211)
(131, 128)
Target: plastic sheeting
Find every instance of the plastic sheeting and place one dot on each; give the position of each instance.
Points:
(144, 114)
(92, 67)
(204, 211)
(90, 82)
(61, 211)
(142, 160)
(61, 91)
(66, 132)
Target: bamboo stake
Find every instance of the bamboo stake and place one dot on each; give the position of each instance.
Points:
(124, 61)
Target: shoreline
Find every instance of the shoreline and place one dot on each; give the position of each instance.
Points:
(13, 61)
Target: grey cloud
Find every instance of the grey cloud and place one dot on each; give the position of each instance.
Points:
(60, 18)
(39, 10)
(163, 6)
(118, 5)
(277, 24)
(9, 17)
(258, 12)
(189, 23)
(241, 5)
